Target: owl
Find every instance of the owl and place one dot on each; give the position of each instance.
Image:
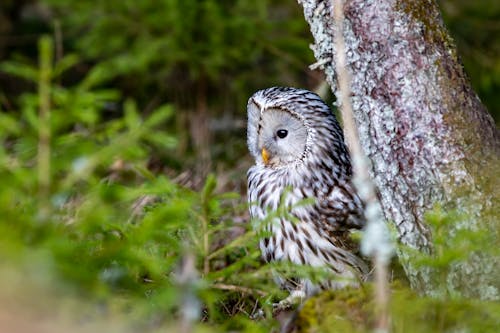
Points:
(302, 165)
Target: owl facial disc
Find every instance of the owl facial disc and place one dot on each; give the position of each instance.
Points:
(281, 137)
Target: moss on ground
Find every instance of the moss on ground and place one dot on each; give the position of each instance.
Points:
(351, 310)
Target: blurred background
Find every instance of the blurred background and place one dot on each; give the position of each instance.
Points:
(204, 58)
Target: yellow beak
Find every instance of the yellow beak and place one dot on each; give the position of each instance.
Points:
(265, 156)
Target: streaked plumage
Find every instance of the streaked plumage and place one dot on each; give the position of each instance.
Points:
(310, 160)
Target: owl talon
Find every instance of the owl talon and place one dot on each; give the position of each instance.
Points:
(295, 298)
(258, 314)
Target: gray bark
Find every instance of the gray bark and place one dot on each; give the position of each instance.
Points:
(429, 138)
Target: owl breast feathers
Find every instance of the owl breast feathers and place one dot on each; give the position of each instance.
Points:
(299, 153)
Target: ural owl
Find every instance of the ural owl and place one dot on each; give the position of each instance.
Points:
(300, 154)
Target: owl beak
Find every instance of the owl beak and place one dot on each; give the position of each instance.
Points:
(265, 156)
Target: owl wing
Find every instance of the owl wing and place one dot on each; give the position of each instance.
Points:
(341, 209)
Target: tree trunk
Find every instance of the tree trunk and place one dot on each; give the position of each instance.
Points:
(429, 138)
(200, 132)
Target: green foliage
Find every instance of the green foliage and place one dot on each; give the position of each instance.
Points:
(473, 25)
(184, 43)
(455, 242)
(205, 58)
(78, 199)
(351, 310)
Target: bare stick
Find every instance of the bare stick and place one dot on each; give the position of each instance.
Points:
(375, 241)
(190, 306)
(245, 290)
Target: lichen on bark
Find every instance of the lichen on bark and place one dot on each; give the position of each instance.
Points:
(429, 138)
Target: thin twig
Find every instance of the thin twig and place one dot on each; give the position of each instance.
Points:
(379, 248)
(43, 153)
(206, 246)
(245, 290)
(186, 279)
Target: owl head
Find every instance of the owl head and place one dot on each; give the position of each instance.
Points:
(291, 126)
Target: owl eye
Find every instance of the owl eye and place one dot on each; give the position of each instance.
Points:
(281, 133)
